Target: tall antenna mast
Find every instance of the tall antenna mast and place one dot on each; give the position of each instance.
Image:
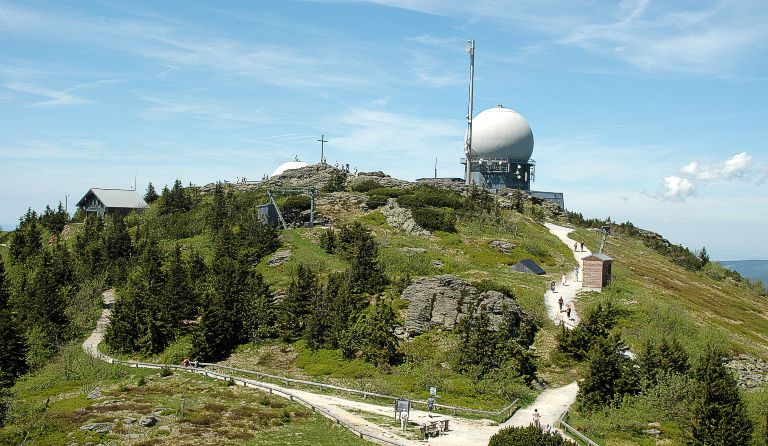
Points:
(468, 143)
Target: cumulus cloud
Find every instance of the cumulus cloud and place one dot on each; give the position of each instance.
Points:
(738, 167)
(677, 188)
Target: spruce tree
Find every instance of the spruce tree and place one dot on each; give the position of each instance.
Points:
(177, 300)
(319, 323)
(13, 348)
(604, 372)
(293, 309)
(217, 216)
(45, 302)
(259, 314)
(212, 337)
(150, 196)
(719, 416)
(345, 307)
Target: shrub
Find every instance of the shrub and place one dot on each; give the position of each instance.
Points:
(431, 196)
(525, 436)
(365, 185)
(435, 219)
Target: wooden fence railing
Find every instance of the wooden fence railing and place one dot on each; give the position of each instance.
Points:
(273, 390)
(573, 432)
(504, 413)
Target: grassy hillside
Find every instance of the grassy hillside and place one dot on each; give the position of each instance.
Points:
(654, 295)
(51, 406)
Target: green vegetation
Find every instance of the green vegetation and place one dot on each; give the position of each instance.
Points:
(526, 436)
(191, 280)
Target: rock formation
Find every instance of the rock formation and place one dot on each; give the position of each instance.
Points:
(445, 300)
(402, 218)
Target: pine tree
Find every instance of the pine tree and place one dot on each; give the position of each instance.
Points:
(318, 325)
(177, 300)
(217, 216)
(604, 371)
(718, 413)
(345, 307)
(373, 335)
(212, 337)
(118, 249)
(293, 309)
(13, 348)
(259, 314)
(150, 196)
(45, 302)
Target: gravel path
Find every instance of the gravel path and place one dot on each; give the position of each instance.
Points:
(571, 288)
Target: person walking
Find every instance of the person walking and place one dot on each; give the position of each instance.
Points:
(536, 418)
(560, 301)
(568, 312)
(430, 405)
(564, 280)
(576, 273)
(582, 246)
(552, 286)
(575, 246)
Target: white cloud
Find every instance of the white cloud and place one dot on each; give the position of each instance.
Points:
(677, 188)
(734, 168)
(738, 167)
(710, 36)
(56, 98)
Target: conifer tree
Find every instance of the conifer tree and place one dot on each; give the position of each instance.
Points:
(373, 335)
(150, 196)
(599, 387)
(719, 415)
(177, 300)
(217, 216)
(345, 307)
(319, 323)
(293, 309)
(118, 249)
(212, 338)
(13, 348)
(259, 314)
(45, 302)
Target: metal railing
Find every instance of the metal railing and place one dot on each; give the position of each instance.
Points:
(273, 390)
(572, 430)
(506, 411)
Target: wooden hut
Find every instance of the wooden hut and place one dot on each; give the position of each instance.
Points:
(597, 272)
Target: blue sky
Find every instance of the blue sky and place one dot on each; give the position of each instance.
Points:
(648, 111)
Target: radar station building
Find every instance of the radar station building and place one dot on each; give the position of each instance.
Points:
(500, 145)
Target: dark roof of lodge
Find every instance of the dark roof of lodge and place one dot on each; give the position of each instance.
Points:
(528, 266)
(116, 198)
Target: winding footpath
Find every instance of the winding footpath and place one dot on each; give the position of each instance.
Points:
(551, 403)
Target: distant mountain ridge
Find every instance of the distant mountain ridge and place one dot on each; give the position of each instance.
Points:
(754, 269)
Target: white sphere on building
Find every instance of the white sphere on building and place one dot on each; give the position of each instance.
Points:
(288, 166)
(501, 133)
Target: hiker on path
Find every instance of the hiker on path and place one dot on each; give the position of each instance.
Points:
(576, 273)
(536, 418)
(430, 405)
(185, 363)
(582, 246)
(568, 312)
(552, 286)
(575, 246)
(560, 301)
(564, 280)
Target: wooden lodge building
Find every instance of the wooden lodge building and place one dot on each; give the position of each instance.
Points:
(110, 201)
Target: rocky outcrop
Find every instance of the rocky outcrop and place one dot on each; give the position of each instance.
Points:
(99, 428)
(340, 203)
(279, 257)
(380, 177)
(503, 246)
(445, 300)
(402, 218)
(751, 372)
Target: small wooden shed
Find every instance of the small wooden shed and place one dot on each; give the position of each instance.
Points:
(597, 271)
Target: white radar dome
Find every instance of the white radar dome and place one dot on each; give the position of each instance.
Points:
(501, 133)
(288, 166)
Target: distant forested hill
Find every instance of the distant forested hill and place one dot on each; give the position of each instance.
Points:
(754, 269)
